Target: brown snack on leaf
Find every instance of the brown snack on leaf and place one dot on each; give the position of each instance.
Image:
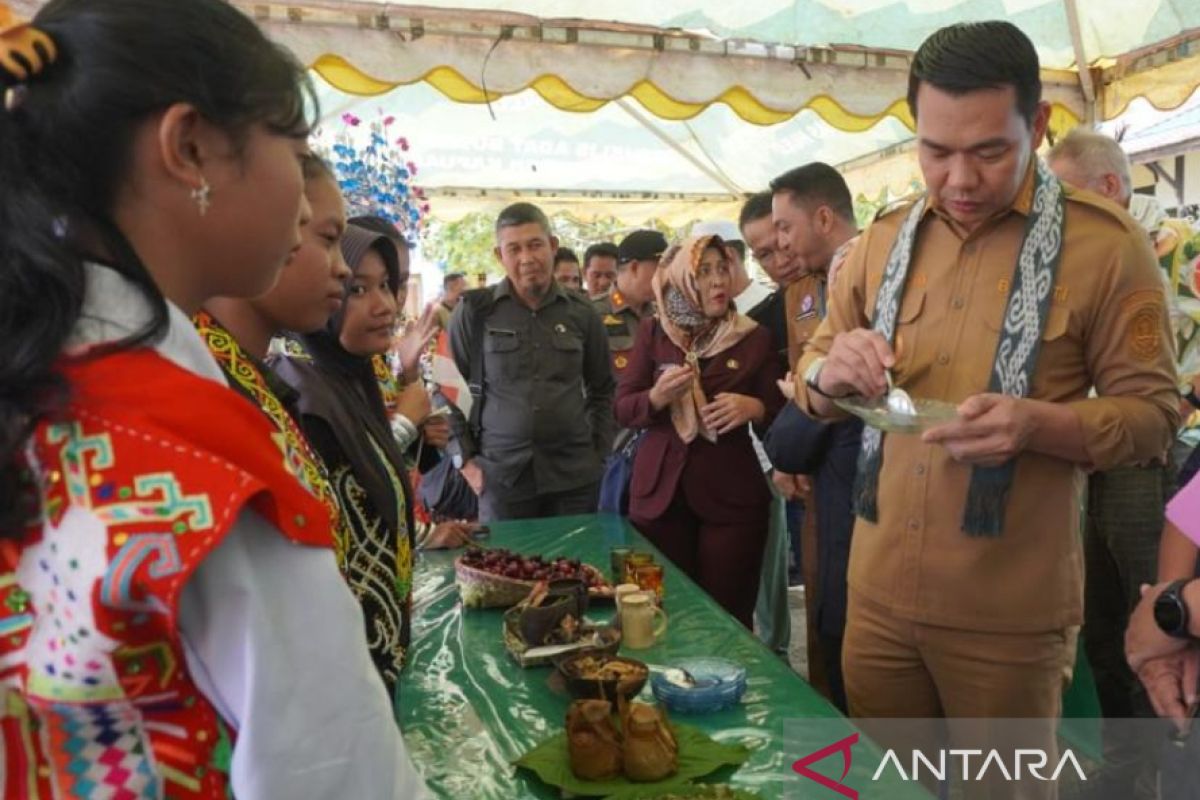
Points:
(651, 752)
(593, 743)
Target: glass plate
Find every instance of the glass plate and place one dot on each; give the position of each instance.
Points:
(877, 414)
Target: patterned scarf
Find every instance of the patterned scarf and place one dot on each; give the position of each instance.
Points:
(1016, 354)
(681, 315)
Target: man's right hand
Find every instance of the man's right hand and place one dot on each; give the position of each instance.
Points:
(1170, 683)
(474, 475)
(856, 364)
(791, 486)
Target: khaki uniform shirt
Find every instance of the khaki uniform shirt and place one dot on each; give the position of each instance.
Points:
(1107, 327)
(805, 303)
(621, 324)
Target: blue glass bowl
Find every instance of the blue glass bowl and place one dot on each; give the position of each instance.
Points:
(720, 685)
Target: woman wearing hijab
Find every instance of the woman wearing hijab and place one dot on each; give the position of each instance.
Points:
(343, 414)
(698, 373)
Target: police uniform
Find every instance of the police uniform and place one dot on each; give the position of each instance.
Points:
(621, 324)
(945, 624)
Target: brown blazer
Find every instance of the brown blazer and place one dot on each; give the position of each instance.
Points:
(727, 475)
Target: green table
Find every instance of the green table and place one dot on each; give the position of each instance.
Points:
(468, 710)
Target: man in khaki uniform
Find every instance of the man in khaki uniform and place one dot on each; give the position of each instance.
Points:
(629, 300)
(966, 572)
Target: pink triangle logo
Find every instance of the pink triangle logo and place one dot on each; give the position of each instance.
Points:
(802, 766)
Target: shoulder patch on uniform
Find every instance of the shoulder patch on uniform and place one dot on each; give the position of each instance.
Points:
(1145, 337)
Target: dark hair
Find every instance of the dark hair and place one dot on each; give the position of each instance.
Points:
(755, 208)
(601, 249)
(356, 242)
(565, 254)
(315, 167)
(451, 277)
(383, 227)
(65, 149)
(817, 184)
(737, 246)
(522, 214)
(978, 55)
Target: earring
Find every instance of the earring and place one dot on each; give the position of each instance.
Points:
(201, 195)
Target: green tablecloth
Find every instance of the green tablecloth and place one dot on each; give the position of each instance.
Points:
(467, 710)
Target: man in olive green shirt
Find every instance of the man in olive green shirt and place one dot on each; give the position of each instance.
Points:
(544, 422)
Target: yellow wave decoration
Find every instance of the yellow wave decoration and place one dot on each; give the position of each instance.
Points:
(344, 76)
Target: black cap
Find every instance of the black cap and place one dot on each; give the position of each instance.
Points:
(644, 245)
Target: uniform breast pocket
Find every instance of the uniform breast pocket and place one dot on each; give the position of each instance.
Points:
(567, 354)
(908, 326)
(502, 353)
(1060, 357)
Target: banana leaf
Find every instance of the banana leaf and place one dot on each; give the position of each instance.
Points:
(699, 755)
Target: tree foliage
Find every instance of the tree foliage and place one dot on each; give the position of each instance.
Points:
(465, 245)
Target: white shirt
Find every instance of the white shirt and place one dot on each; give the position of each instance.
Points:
(272, 635)
(751, 296)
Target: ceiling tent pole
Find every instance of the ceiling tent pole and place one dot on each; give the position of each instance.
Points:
(708, 171)
(1071, 7)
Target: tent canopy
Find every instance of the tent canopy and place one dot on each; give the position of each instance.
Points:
(845, 59)
(668, 86)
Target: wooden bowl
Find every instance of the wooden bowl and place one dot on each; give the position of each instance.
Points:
(595, 683)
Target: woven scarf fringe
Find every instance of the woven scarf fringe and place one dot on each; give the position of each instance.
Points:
(987, 497)
(866, 485)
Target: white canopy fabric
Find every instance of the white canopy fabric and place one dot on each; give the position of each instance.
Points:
(634, 105)
(845, 59)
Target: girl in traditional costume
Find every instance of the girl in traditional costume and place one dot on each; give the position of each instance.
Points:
(343, 414)
(173, 620)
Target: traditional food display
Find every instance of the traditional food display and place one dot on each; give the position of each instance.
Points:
(610, 743)
(649, 744)
(643, 750)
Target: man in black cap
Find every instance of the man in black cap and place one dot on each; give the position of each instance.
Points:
(632, 295)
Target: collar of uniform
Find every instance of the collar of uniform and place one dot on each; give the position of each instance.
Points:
(505, 289)
(1022, 203)
(617, 299)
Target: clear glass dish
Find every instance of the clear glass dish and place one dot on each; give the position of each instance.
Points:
(876, 413)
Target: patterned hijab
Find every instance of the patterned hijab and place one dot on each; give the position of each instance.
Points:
(681, 315)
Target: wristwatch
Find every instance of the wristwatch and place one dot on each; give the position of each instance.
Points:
(1171, 613)
(812, 377)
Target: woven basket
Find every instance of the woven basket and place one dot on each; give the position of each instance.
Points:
(481, 589)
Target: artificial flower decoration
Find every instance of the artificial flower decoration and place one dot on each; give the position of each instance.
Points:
(375, 173)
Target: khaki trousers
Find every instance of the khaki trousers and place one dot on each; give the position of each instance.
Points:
(897, 668)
